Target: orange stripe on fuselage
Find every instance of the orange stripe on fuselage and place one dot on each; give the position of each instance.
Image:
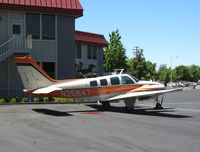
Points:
(146, 89)
(81, 93)
(31, 61)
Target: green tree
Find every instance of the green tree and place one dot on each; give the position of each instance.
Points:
(194, 73)
(150, 70)
(182, 73)
(141, 68)
(114, 54)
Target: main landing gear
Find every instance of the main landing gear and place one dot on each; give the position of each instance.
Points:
(159, 103)
(130, 103)
(105, 106)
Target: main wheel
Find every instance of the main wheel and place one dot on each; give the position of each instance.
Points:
(158, 106)
(105, 106)
(129, 110)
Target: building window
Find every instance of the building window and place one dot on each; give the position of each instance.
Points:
(78, 51)
(93, 83)
(33, 25)
(16, 29)
(103, 82)
(114, 80)
(89, 52)
(49, 67)
(48, 27)
(94, 52)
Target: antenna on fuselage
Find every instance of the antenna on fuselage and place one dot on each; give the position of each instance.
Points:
(83, 75)
(121, 71)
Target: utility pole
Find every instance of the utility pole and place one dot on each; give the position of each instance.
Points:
(171, 71)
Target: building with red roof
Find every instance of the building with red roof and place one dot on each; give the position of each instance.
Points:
(45, 30)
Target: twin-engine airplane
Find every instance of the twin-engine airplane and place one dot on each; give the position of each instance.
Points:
(104, 89)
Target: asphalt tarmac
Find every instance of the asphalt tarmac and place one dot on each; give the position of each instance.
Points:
(81, 128)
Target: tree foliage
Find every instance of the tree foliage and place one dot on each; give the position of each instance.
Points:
(114, 54)
(115, 58)
(194, 71)
(182, 73)
(141, 68)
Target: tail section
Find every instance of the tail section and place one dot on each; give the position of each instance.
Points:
(32, 75)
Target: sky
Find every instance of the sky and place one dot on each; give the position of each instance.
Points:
(167, 30)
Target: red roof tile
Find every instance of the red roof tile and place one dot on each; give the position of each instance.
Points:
(67, 7)
(90, 38)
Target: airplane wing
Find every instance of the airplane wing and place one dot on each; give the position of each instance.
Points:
(141, 94)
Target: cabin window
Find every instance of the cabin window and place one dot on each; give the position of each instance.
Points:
(33, 25)
(93, 83)
(103, 82)
(127, 80)
(114, 80)
(48, 27)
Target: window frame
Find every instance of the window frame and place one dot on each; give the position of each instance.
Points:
(20, 29)
(52, 74)
(41, 28)
(112, 78)
(94, 52)
(38, 37)
(78, 52)
(96, 83)
(89, 52)
(122, 78)
(105, 80)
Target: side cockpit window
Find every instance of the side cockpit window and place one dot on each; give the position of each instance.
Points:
(93, 83)
(103, 82)
(114, 80)
(127, 80)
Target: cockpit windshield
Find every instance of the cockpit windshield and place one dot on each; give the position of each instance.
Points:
(136, 79)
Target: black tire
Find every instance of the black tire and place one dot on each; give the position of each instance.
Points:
(129, 110)
(105, 106)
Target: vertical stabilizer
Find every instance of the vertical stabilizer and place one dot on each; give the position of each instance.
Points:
(32, 75)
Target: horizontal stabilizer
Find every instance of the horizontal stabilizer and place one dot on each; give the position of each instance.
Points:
(46, 90)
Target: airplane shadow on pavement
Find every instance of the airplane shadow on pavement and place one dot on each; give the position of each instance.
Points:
(166, 112)
(52, 112)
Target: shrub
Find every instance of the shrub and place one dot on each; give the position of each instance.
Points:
(7, 99)
(13, 100)
(45, 99)
(18, 99)
(36, 100)
(51, 99)
(2, 101)
(24, 100)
